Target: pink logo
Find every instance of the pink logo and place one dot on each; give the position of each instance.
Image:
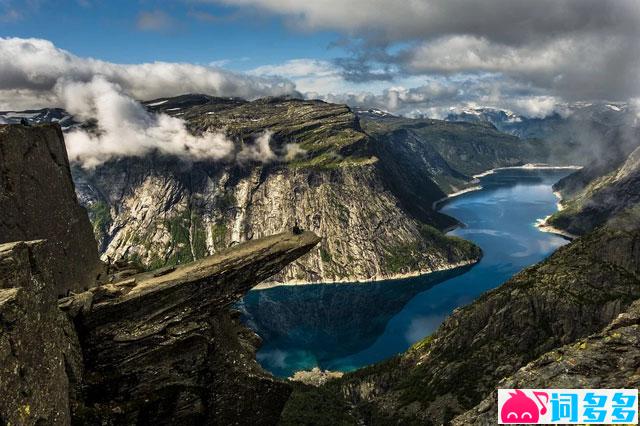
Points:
(519, 408)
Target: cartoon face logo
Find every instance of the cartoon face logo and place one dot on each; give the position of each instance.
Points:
(519, 408)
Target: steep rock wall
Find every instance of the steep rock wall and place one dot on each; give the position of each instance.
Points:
(165, 215)
(37, 201)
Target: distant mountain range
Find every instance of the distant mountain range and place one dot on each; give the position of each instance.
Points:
(39, 116)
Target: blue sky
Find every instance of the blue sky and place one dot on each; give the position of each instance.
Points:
(191, 32)
(418, 57)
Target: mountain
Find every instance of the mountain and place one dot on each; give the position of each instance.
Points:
(40, 116)
(366, 187)
(35, 177)
(584, 133)
(602, 189)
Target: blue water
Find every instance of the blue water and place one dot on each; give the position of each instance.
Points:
(347, 326)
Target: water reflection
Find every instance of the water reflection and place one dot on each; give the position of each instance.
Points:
(317, 324)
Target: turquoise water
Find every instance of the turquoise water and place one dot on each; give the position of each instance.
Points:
(347, 326)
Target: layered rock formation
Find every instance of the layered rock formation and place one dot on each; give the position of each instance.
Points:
(608, 359)
(39, 351)
(37, 201)
(163, 348)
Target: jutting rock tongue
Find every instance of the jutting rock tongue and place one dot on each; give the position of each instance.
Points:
(164, 347)
(38, 201)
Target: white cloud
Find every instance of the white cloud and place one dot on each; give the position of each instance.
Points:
(575, 49)
(31, 68)
(309, 75)
(259, 150)
(503, 20)
(126, 128)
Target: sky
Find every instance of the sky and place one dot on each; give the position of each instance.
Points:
(411, 57)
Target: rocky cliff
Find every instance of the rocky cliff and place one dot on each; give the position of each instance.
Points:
(161, 347)
(607, 359)
(39, 352)
(341, 184)
(37, 201)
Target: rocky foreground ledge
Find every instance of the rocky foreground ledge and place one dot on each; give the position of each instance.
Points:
(157, 348)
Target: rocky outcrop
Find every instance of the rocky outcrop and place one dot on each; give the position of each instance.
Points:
(163, 348)
(40, 357)
(37, 201)
(157, 348)
(608, 359)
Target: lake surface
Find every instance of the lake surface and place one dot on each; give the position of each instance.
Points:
(347, 326)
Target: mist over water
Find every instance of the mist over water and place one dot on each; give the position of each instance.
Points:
(347, 326)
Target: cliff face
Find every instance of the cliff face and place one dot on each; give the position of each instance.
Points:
(162, 211)
(37, 201)
(171, 218)
(608, 359)
(163, 348)
(39, 351)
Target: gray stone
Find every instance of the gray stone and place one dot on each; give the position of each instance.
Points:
(37, 201)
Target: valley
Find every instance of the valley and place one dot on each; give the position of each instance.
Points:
(348, 326)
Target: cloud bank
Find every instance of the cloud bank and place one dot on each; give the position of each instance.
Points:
(573, 49)
(31, 69)
(126, 128)
(37, 74)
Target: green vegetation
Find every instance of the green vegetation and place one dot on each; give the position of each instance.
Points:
(198, 237)
(325, 255)
(219, 234)
(322, 406)
(410, 257)
(100, 217)
(178, 228)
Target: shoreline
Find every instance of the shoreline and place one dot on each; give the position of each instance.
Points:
(528, 166)
(435, 204)
(543, 227)
(559, 205)
(394, 277)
